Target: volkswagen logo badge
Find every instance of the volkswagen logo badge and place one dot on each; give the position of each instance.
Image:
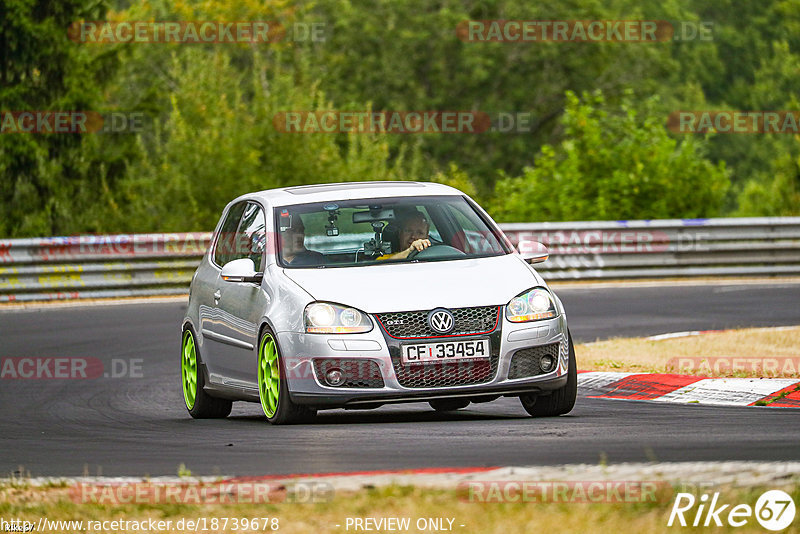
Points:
(441, 321)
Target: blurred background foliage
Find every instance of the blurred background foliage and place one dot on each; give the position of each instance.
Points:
(598, 147)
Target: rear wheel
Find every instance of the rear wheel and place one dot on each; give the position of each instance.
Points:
(200, 404)
(273, 389)
(560, 401)
(448, 405)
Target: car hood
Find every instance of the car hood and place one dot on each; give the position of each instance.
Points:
(420, 286)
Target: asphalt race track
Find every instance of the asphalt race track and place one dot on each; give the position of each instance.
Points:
(137, 425)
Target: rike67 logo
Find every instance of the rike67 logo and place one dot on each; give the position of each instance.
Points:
(774, 510)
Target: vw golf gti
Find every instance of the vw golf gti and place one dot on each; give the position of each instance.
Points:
(356, 295)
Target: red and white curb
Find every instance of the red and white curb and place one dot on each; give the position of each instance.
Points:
(684, 389)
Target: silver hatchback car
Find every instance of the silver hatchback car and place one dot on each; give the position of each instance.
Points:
(355, 295)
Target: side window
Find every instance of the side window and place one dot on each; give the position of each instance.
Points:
(224, 248)
(251, 239)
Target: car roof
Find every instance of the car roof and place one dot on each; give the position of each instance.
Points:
(304, 194)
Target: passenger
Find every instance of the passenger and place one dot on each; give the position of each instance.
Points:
(412, 234)
(293, 247)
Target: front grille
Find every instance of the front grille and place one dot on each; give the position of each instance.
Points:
(444, 374)
(414, 325)
(525, 362)
(358, 373)
(447, 373)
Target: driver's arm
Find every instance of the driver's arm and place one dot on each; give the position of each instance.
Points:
(419, 245)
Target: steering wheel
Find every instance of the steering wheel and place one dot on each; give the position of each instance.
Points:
(435, 251)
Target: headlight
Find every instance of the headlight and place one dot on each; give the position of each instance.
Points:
(324, 318)
(533, 305)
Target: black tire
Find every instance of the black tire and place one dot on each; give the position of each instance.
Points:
(448, 405)
(286, 412)
(204, 406)
(560, 401)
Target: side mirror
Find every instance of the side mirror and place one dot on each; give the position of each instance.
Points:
(242, 270)
(533, 251)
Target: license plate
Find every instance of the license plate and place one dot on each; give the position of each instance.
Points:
(446, 351)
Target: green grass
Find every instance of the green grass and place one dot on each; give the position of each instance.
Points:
(31, 503)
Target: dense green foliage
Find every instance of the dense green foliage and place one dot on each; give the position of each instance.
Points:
(613, 166)
(47, 180)
(597, 147)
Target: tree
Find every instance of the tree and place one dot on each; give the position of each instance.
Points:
(613, 164)
(48, 182)
(776, 197)
(219, 141)
(408, 56)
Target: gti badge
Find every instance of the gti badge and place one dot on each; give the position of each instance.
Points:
(441, 321)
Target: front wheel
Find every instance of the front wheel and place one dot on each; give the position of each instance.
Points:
(560, 401)
(273, 390)
(200, 404)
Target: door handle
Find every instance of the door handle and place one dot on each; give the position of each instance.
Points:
(217, 296)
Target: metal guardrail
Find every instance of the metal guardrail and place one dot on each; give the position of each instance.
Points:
(60, 268)
(666, 248)
(162, 264)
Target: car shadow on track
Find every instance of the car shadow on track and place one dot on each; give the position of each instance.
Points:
(335, 417)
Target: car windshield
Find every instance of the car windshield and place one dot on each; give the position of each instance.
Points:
(383, 230)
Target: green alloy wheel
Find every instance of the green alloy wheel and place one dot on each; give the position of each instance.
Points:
(269, 375)
(273, 390)
(200, 404)
(189, 369)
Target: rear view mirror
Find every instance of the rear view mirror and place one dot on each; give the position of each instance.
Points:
(373, 215)
(241, 270)
(533, 251)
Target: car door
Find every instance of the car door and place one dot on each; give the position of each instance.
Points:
(207, 291)
(241, 304)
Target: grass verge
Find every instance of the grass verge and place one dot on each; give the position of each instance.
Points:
(54, 503)
(750, 352)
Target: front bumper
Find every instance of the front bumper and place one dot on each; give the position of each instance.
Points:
(307, 387)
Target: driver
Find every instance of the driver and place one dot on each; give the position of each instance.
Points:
(412, 235)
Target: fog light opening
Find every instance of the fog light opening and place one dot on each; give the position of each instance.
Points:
(334, 377)
(547, 363)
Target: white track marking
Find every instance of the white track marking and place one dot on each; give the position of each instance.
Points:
(727, 391)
